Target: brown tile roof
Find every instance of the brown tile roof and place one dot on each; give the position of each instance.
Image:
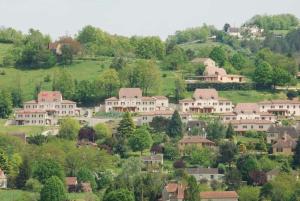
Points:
(213, 70)
(67, 102)
(30, 111)
(218, 195)
(246, 108)
(157, 113)
(285, 142)
(250, 121)
(186, 100)
(206, 94)
(71, 181)
(200, 170)
(49, 96)
(195, 139)
(160, 97)
(130, 92)
(176, 188)
(291, 131)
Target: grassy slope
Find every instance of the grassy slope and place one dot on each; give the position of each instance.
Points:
(30, 130)
(4, 48)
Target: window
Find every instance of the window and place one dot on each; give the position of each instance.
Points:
(211, 176)
(261, 126)
(245, 126)
(279, 149)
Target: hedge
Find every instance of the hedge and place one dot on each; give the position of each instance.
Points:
(221, 86)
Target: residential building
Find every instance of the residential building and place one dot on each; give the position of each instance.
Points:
(234, 31)
(281, 107)
(247, 111)
(196, 126)
(173, 192)
(72, 184)
(153, 162)
(243, 125)
(219, 196)
(147, 117)
(285, 145)
(48, 107)
(132, 100)
(205, 174)
(276, 132)
(3, 179)
(197, 141)
(206, 101)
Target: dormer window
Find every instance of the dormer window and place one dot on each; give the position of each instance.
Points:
(212, 97)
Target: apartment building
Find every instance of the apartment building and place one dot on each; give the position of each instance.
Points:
(132, 100)
(244, 111)
(206, 101)
(241, 126)
(281, 107)
(48, 107)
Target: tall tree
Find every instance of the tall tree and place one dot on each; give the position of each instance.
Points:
(109, 81)
(5, 104)
(192, 192)
(296, 157)
(118, 195)
(63, 82)
(215, 131)
(53, 190)
(86, 175)
(228, 151)
(24, 174)
(126, 127)
(180, 88)
(69, 129)
(230, 131)
(263, 74)
(219, 55)
(4, 162)
(175, 125)
(44, 169)
(140, 140)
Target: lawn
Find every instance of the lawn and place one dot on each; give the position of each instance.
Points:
(18, 195)
(29, 130)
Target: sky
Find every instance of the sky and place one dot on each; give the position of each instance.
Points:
(134, 17)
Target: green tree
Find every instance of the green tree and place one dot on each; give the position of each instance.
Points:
(119, 195)
(246, 164)
(150, 48)
(53, 190)
(192, 192)
(175, 59)
(296, 157)
(69, 129)
(204, 157)
(44, 169)
(248, 193)
(126, 127)
(159, 123)
(280, 77)
(263, 74)
(238, 61)
(216, 131)
(63, 82)
(175, 125)
(118, 63)
(86, 175)
(219, 55)
(233, 179)
(228, 151)
(230, 131)
(17, 97)
(66, 56)
(4, 162)
(24, 174)
(180, 88)
(140, 140)
(5, 104)
(102, 131)
(109, 81)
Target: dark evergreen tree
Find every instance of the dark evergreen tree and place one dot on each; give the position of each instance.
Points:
(229, 131)
(296, 157)
(24, 174)
(192, 192)
(175, 125)
(126, 127)
(5, 104)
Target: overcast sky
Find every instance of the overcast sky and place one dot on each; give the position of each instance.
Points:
(134, 17)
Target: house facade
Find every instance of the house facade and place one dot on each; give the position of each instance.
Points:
(197, 141)
(46, 109)
(284, 145)
(276, 132)
(173, 192)
(3, 179)
(219, 196)
(244, 125)
(206, 101)
(281, 107)
(205, 174)
(132, 100)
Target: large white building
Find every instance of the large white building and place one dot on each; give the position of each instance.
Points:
(281, 107)
(132, 100)
(46, 109)
(206, 101)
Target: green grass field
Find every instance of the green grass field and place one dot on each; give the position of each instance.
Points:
(29, 130)
(18, 195)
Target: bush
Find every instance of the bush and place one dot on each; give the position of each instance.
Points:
(33, 185)
(221, 86)
(291, 94)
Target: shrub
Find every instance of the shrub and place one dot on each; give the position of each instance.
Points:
(33, 185)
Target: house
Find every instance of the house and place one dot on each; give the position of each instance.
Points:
(72, 184)
(253, 31)
(219, 196)
(284, 145)
(173, 192)
(234, 31)
(55, 48)
(205, 174)
(48, 107)
(153, 162)
(197, 141)
(206, 101)
(198, 125)
(3, 179)
(147, 117)
(247, 111)
(204, 61)
(243, 125)
(281, 107)
(276, 132)
(132, 100)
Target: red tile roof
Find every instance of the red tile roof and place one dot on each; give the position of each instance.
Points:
(280, 102)
(49, 96)
(176, 188)
(246, 108)
(250, 121)
(206, 94)
(218, 195)
(130, 92)
(213, 70)
(195, 139)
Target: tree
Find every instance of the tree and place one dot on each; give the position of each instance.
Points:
(175, 59)
(192, 192)
(291, 94)
(218, 54)
(230, 131)
(37, 139)
(85, 175)
(215, 131)
(180, 88)
(226, 27)
(150, 48)
(63, 82)
(247, 164)
(87, 133)
(4, 162)
(204, 157)
(175, 125)
(17, 97)
(280, 77)
(5, 104)
(140, 140)
(109, 81)
(159, 123)
(53, 190)
(248, 193)
(118, 195)
(227, 151)
(233, 179)
(69, 129)
(238, 61)
(171, 151)
(118, 63)
(296, 157)
(66, 57)
(126, 127)
(263, 74)
(44, 169)
(24, 174)
(102, 131)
